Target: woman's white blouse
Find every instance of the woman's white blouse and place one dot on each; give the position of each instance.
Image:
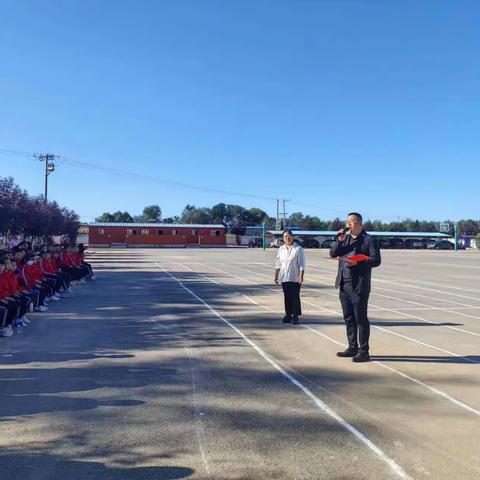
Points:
(290, 261)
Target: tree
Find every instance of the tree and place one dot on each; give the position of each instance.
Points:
(256, 216)
(105, 217)
(122, 217)
(32, 216)
(174, 219)
(219, 214)
(236, 214)
(151, 214)
(296, 219)
(192, 214)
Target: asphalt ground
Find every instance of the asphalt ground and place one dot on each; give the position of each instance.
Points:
(174, 364)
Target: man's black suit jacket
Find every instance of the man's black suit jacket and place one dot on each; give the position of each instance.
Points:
(361, 273)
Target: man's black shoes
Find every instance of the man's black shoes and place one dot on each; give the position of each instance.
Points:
(286, 319)
(349, 352)
(294, 320)
(361, 357)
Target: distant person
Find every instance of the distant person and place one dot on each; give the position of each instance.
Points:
(289, 271)
(354, 282)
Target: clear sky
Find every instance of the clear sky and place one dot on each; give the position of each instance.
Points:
(336, 105)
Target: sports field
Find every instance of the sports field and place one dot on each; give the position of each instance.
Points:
(174, 364)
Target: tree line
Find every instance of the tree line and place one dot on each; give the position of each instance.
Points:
(236, 218)
(31, 216)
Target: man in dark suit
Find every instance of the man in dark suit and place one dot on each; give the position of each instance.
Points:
(354, 282)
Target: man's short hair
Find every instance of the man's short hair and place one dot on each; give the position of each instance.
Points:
(287, 231)
(356, 214)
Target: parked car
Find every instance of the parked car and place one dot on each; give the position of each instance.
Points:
(276, 243)
(310, 243)
(327, 243)
(385, 243)
(255, 242)
(415, 243)
(441, 245)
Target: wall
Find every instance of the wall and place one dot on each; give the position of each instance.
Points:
(184, 236)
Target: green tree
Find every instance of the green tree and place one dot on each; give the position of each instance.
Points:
(219, 214)
(152, 213)
(174, 219)
(116, 217)
(105, 217)
(256, 216)
(296, 219)
(192, 214)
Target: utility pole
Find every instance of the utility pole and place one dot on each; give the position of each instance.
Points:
(281, 222)
(277, 218)
(48, 158)
(284, 213)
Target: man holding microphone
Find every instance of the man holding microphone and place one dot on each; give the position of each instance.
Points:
(357, 253)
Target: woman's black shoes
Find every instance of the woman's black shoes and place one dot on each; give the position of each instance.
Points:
(293, 319)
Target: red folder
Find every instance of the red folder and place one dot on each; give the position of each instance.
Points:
(355, 258)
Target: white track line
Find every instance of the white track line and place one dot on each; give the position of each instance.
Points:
(467, 359)
(394, 466)
(408, 377)
(218, 283)
(444, 300)
(386, 278)
(377, 362)
(409, 315)
(413, 285)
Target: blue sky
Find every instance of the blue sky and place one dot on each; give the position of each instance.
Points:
(336, 105)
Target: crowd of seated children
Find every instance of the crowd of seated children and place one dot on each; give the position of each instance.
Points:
(30, 278)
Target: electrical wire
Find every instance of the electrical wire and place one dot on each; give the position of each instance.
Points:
(139, 176)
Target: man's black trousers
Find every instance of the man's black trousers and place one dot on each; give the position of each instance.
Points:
(291, 293)
(354, 306)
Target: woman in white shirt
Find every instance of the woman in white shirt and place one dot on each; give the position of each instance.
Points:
(289, 271)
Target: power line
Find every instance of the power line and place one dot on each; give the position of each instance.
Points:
(128, 174)
(139, 176)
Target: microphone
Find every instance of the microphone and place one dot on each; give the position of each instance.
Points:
(343, 231)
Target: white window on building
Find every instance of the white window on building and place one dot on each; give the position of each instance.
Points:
(145, 232)
(101, 231)
(129, 231)
(194, 232)
(215, 233)
(174, 232)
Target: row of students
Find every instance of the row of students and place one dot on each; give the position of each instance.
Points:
(29, 280)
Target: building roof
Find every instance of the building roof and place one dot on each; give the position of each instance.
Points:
(332, 233)
(154, 225)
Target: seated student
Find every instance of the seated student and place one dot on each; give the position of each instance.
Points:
(30, 280)
(57, 263)
(54, 279)
(50, 270)
(7, 300)
(8, 309)
(17, 293)
(69, 266)
(79, 259)
(48, 283)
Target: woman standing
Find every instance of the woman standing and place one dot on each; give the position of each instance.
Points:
(289, 270)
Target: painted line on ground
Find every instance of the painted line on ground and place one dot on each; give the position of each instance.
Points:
(394, 466)
(434, 390)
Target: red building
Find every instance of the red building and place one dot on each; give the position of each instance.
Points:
(155, 235)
